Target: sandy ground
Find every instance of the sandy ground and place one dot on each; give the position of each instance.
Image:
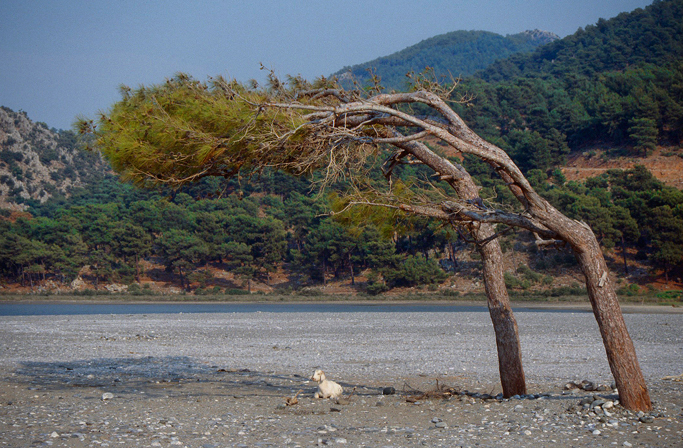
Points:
(215, 380)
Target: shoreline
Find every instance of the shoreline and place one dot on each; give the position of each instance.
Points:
(627, 308)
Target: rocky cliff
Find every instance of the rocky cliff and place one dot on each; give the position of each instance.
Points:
(37, 163)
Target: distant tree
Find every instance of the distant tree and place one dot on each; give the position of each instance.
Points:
(238, 259)
(643, 131)
(131, 243)
(181, 250)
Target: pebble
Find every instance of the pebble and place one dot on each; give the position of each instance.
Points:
(107, 396)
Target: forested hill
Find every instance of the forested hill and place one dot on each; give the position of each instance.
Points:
(617, 84)
(456, 54)
(37, 163)
(653, 35)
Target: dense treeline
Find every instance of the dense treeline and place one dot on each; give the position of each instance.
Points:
(113, 227)
(254, 233)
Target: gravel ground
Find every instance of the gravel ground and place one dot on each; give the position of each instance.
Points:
(219, 380)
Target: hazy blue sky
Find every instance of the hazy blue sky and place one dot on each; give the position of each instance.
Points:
(61, 58)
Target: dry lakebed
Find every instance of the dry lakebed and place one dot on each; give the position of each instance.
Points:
(412, 376)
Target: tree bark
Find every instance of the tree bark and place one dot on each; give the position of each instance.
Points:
(621, 353)
(504, 323)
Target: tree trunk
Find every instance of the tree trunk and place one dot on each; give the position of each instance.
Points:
(623, 254)
(504, 323)
(452, 255)
(182, 278)
(353, 278)
(621, 353)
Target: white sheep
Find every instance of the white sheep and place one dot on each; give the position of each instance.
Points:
(326, 388)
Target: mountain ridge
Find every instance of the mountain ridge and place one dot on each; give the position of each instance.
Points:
(457, 53)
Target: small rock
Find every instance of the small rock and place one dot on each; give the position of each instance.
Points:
(647, 419)
(527, 432)
(587, 400)
(441, 425)
(608, 404)
(54, 434)
(587, 385)
(107, 396)
(388, 391)
(627, 444)
(436, 420)
(597, 432)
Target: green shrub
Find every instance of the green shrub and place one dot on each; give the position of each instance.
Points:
(375, 284)
(414, 271)
(670, 295)
(529, 274)
(629, 290)
(511, 281)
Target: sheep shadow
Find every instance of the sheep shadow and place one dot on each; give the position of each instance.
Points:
(163, 376)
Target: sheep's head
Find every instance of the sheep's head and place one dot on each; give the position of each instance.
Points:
(318, 376)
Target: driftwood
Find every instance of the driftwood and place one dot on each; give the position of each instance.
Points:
(440, 391)
(291, 401)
